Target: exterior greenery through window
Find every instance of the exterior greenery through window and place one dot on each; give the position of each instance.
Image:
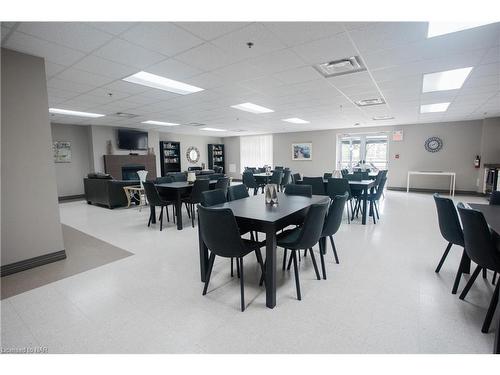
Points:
(352, 148)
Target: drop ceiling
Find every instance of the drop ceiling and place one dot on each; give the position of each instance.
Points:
(86, 62)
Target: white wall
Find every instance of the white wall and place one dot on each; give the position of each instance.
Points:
(232, 151)
(70, 176)
(30, 214)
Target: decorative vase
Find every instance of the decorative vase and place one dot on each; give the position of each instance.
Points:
(109, 147)
(271, 194)
(191, 177)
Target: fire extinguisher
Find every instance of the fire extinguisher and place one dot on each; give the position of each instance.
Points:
(477, 162)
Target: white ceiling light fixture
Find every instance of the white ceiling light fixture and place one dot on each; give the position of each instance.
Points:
(295, 120)
(153, 122)
(436, 107)
(213, 129)
(253, 108)
(368, 102)
(162, 83)
(446, 80)
(442, 28)
(383, 117)
(68, 112)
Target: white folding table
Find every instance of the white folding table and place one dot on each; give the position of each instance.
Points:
(452, 175)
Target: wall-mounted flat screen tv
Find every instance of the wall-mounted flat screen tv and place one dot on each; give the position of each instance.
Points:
(132, 139)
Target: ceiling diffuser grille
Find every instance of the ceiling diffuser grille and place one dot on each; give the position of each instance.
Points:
(339, 67)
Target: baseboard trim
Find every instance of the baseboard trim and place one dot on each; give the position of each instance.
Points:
(27, 264)
(71, 197)
(440, 191)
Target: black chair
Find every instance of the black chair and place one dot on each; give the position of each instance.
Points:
(178, 176)
(304, 238)
(212, 197)
(236, 192)
(250, 182)
(217, 169)
(450, 228)
(302, 190)
(318, 186)
(156, 200)
(195, 168)
(495, 198)
(164, 180)
(296, 178)
(374, 199)
(199, 187)
(344, 172)
(226, 243)
(355, 176)
(326, 176)
(332, 224)
(222, 184)
(340, 186)
(287, 178)
(483, 248)
(276, 177)
(278, 168)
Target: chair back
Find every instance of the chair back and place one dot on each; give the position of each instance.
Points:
(164, 180)
(222, 184)
(178, 176)
(276, 177)
(249, 180)
(479, 243)
(449, 225)
(213, 197)
(355, 176)
(278, 168)
(334, 215)
(296, 177)
(142, 177)
(338, 186)
(302, 190)
(380, 188)
(326, 176)
(199, 187)
(495, 198)
(287, 177)
(152, 194)
(236, 192)
(310, 232)
(218, 169)
(317, 183)
(344, 172)
(219, 231)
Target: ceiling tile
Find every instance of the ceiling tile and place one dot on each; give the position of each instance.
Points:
(211, 30)
(80, 76)
(162, 37)
(69, 85)
(123, 52)
(98, 65)
(297, 75)
(277, 61)
(327, 49)
(207, 57)
(114, 28)
(173, 69)
(295, 33)
(51, 69)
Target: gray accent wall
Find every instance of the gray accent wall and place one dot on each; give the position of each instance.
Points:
(232, 151)
(30, 223)
(69, 176)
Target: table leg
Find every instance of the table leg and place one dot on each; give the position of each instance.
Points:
(454, 180)
(271, 267)
(451, 184)
(372, 192)
(153, 214)
(408, 183)
(203, 255)
(365, 198)
(127, 193)
(178, 209)
(496, 349)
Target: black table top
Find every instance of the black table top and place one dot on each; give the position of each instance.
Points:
(491, 214)
(180, 184)
(368, 183)
(254, 207)
(262, 174)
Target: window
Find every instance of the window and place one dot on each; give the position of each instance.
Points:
(373, 148)
(256, 151)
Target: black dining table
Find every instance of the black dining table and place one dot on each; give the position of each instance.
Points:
(255, 214)
(179, 189)
(492, 215)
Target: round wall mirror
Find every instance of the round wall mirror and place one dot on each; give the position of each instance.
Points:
(193, 154)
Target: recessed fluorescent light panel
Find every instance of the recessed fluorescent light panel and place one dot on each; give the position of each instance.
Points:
(162, 83)
(152, 122)
(368, 102)
(295, 120)
(253, 108)
(436, 107)
(385, 117)
(447, 80)
(441, 28)
(67, 112)
(213, 129)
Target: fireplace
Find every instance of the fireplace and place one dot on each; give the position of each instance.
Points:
(129, 172)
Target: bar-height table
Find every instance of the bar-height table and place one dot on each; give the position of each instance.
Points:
(180, 188)
(257, 216)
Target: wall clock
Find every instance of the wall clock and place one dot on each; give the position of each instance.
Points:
(433, 144)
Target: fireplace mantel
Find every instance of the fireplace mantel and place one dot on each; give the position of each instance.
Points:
(113, 164)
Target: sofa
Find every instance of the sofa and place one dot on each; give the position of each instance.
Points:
(104, 190)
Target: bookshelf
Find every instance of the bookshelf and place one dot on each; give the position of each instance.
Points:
(170, 154)
(216, 156)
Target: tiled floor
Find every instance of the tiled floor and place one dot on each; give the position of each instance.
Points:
(383, 297)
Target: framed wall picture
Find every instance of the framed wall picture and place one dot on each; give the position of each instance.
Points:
(302, 151)
(62, 151)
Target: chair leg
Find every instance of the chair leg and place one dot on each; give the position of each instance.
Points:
(491, 310)
(187, 209)
(314, 264)
(150, 218)
(237, 268)
(174, 212)
(168, 216)
(322, 258)
(445, 254)
(494, 278)
(284, 259)
(334, 250)
(485, 273)
(290, 261)
(459, 273)
(258, 254)
(209, 272)
(242, 285)
(471, 281)
(376, 209)
(232, 267)
(161, 218)
(347, 210)
(293, 256)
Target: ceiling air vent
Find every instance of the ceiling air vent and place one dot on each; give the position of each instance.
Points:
(368, 102)
(196, 124)
(339, 67)
(124, 115)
